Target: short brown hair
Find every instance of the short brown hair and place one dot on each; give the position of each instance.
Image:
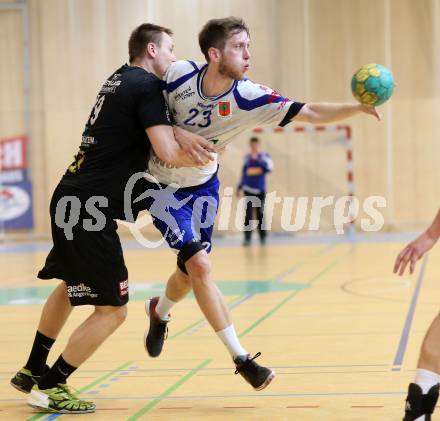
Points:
(216, 32)
(142, 35)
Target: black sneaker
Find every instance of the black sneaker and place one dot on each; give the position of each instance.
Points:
(418, 404)
(257, 376)
(24, 380)
(158, 332)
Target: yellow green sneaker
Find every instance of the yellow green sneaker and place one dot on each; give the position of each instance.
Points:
(24, 380)
(59, 399)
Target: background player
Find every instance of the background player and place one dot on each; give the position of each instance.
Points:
(257, 165)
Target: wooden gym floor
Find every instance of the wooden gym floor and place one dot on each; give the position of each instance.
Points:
(340, 330)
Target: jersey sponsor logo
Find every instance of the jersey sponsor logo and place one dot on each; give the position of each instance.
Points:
(156, 160)
(205, 106)
(80, 291)
(123, 288)
(110, 85)
(224, 109)
(78, 161)
(108, 90)
(186, 93)
(86, 141)
(175, 236)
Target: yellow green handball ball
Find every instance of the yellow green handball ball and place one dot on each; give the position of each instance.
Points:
(372, 84)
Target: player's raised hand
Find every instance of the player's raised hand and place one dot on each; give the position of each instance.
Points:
(197, 147)
(413, 252)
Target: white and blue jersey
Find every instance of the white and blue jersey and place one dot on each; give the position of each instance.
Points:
(218, 119)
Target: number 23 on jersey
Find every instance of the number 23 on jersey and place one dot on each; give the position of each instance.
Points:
(199, 118)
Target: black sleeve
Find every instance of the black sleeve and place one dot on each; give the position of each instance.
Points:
(294, 109)
(152, 110)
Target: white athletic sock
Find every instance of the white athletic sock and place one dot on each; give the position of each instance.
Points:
(229, 338)
(426, 379)
(163, 307)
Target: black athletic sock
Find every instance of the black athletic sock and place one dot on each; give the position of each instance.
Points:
(58, 373)
(38, 356)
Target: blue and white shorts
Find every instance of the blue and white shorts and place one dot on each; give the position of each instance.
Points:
(186, 214)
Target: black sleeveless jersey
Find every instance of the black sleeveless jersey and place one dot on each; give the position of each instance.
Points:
(114, 143)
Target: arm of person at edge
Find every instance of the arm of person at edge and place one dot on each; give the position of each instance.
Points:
(166, 146)
(417, 248)
(323, 112)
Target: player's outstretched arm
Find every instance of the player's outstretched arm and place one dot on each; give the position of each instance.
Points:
(417, 248)
(326, 112)
(168, 150)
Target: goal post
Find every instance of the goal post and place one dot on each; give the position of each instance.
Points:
(311, 163)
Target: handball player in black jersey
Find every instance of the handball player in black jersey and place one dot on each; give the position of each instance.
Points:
(129, 117)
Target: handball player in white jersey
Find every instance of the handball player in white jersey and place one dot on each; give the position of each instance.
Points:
(216, 101)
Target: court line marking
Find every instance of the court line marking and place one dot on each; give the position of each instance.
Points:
(398, 359)
(282, 240)
(168, 391)
(199, 321)
(294, 268)
(289, 394)
(267, 395)
(406, 283)
(200, 366)
(278, 278)
(290, 296)
(83, 389)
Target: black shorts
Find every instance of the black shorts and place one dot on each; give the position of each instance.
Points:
(91, 263)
